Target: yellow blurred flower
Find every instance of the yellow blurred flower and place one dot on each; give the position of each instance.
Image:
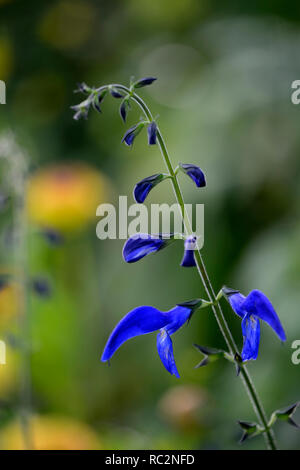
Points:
(9, 371)
(65, 196)
(9, 304)
(51, 433)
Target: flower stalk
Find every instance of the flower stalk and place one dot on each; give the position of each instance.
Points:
(214, 300)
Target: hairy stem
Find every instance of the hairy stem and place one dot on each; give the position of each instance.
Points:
(216, 307)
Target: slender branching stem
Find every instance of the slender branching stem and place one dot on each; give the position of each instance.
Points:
(216, 307)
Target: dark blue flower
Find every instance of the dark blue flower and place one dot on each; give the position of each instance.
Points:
(131, 134)
(152, 130)
(144, 82)
(195, 173)
(53, 236)
(143, 188)
(256, 306)
(142, 244)
(146, 319)
(188, 259)
(115, 93)
(41, 287)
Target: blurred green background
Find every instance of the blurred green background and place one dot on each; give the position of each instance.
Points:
(223, 100)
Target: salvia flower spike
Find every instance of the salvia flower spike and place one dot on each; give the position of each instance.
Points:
(147, 319)
(251, 309)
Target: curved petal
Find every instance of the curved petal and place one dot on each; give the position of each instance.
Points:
(140, 245)
(165, 351)
(143, 188)
(236, 301)
(144, 82)
(140, 321)
(251, 334)
(141, 191)
(195, 173)
(257, 303)
(177, 317)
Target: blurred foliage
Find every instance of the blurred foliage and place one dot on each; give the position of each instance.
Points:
(223, 100)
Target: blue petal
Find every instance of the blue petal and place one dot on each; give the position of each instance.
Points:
(152, 128)
(144, 82)
(177, 317)
(143, 188)
(188, 259)
(195, 173)
(251, 334)
(140, 321)
(141, 191)
(140, 245)
(236, 301)
(129, 136)
(258, 304)
(165, 351)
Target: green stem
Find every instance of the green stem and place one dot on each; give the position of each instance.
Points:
(216, 307)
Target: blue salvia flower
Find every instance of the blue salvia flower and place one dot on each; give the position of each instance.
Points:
(147, 319)
(194, 172)
(131, 134)
(188, 259)
(152, 130)
(144, 82)
(142, 189)
(142, 244)
(256, 306)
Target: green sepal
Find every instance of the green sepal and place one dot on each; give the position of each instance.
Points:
(285, 414)
(210, 355)
(228, 291)
(250, 430)
(195, 304)
(238, 361)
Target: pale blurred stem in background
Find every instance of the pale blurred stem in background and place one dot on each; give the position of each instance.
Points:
(17, 170)
(216, 307)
